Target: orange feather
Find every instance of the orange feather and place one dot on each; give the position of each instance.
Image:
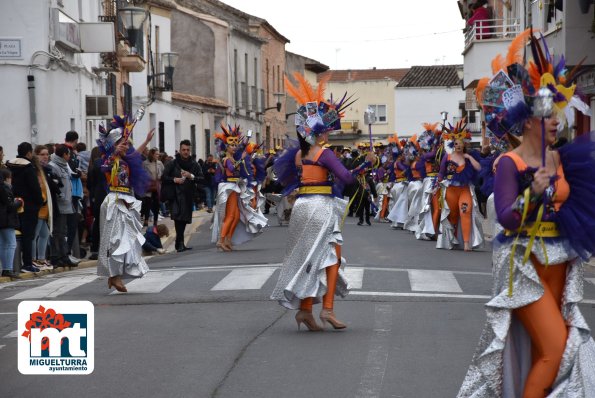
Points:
(497, 63)
(305, 87)
(481, 86)
(295, 92)
(321, 87)
(515, 50)
(429, 126)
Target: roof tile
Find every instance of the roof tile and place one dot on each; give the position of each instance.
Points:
(431, 76)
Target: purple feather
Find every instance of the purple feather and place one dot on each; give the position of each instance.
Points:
(548, 57)
(139, 178)
(560, 67)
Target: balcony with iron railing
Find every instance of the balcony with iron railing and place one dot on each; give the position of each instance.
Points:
(483, 41)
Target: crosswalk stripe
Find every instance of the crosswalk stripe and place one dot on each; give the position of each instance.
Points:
(245, 279)
(152, 282)
(433, 281)
(54, 288)
(355, 277)
(2, 346)
(12, 334)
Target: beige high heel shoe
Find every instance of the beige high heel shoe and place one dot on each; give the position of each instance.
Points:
(327, 315)
(116, 281)
(307, 319)
(227, 244)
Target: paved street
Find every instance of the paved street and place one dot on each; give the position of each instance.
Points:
(201, 325)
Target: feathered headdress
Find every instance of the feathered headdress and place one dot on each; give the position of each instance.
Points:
(315, 114)
(120, 127)
(517, 92)
(411, 147)
(229, 136)
(428, 138)
(457, 132)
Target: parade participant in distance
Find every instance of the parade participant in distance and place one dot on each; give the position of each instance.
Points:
(430, 210)
(235, 221)
(458, 170)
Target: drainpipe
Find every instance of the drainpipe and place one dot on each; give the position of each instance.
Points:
(32, 112)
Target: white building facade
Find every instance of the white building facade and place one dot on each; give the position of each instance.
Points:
(44, 75)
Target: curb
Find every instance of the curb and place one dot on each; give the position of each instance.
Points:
(200, 218)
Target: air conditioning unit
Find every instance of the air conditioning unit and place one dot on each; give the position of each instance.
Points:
(99, 106)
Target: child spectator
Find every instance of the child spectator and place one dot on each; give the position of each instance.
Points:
(153, 238)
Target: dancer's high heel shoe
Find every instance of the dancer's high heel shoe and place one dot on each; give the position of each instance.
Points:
(307, 319)
(116, 281)
(467, 247)
(327, 315)
(227, 244)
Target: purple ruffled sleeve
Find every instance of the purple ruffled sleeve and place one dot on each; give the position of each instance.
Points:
(576, 217)
(286, 170)
(330, 161)
(487, 174)
(506, 191)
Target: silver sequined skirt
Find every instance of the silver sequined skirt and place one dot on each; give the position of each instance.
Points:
(425, 229)
(503, 356)
(314, 230)
(252, 221)
(120, 246)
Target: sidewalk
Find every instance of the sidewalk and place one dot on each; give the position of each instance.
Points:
(198, 218)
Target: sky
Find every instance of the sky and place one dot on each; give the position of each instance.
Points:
(362, 34)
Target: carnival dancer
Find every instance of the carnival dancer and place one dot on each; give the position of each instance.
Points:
(259, 172)
(235, 221)
(383, 187)
(417, 173)
(430, 211)
(536, 342)
(493, 147)
(399, 212)
(311, 267)
(458, 170)
(120, 248)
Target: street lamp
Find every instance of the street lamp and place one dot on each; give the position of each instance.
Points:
(133, 19)
(278, 105)
(444, 115)
(168, 60)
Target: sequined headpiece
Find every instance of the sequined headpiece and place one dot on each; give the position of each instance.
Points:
(229, 136)
(516, 92)
(315, 114)
(457, 132)
(120, 127)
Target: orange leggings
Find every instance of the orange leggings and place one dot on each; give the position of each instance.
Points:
(232, 216)
(332, 273)
(436, 210)
(544, 322)
(460, 203)
(384, 211)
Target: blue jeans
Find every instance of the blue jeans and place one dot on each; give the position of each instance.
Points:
(8, 245)
(40, 242)
(209, 196)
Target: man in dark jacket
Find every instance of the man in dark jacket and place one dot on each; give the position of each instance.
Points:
(26, 186)
(180, 178)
